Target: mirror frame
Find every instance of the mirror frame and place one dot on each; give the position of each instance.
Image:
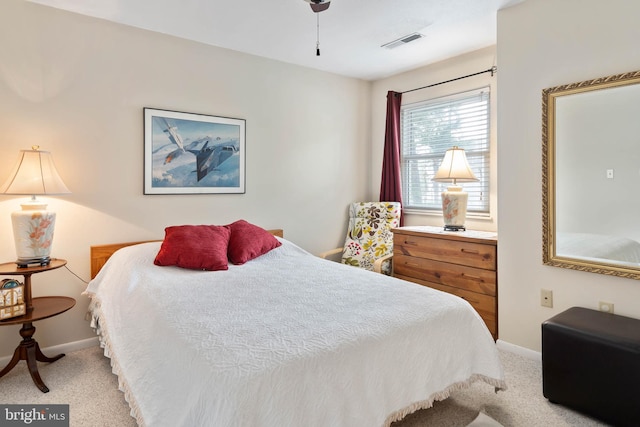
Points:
(549, 97)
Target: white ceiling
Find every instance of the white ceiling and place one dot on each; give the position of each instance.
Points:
(351, 31)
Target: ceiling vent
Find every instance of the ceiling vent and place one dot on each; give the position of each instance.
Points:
(403, 40)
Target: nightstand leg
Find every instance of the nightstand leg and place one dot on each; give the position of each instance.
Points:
(33, 369)
(42, 358)
(14, 361)
(29, 350)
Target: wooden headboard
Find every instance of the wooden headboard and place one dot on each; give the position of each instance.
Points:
(101, 253)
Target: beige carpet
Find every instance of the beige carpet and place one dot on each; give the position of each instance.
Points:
(483, 420)
(83, 379)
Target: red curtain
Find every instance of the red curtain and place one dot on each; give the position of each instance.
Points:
(391, 187)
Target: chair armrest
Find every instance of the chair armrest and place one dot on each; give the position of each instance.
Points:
(377, 264)
(331, 252)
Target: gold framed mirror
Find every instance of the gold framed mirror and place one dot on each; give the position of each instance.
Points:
(591, 175)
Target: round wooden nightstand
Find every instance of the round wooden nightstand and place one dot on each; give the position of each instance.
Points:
(37, 309)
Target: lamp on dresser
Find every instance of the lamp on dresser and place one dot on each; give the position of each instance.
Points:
(34, 174)
(454, 168)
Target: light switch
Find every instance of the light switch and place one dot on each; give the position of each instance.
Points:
(610, 173)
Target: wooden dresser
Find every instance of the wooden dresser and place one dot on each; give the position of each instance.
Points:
(463, 263)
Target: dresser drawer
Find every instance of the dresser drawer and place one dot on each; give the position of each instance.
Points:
(485, 305)
(462, 263)
(445, 273)
(466, 253)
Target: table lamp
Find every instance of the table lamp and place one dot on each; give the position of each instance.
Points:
(454, 168)
(34, 174)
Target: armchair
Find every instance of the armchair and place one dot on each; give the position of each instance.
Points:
(369, 241)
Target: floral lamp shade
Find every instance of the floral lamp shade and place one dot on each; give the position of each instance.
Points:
(33, 226)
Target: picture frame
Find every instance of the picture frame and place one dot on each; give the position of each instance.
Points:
(190, 153)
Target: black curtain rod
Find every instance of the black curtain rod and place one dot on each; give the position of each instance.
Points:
(491, 70)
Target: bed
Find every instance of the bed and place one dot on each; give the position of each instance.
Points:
(592, 246)
(285, 339)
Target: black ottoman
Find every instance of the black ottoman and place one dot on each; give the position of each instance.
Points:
(591, 363)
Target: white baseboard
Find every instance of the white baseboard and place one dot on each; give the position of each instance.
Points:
(520, 351)
(62, 348)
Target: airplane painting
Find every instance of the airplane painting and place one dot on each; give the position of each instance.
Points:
(190, 153)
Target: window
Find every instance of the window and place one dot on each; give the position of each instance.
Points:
(429, 129)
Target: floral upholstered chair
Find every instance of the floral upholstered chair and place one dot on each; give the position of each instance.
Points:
(369, 241)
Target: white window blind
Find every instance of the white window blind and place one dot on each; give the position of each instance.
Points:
(429, 129)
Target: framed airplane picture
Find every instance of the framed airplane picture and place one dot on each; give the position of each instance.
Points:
(187, 153)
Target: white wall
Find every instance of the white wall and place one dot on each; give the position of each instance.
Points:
(546, 43)
(595, 132)
(76, 86)
(462, 65)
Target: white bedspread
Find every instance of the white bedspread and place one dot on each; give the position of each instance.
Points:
(598, 246)
(287, 339)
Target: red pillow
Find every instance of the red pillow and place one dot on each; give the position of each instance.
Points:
(197, 247)
(249, 241)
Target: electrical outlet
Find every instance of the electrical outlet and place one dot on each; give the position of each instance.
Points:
(546, 298)
(606, 307)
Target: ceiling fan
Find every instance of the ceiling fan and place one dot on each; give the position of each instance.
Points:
(318, 6)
